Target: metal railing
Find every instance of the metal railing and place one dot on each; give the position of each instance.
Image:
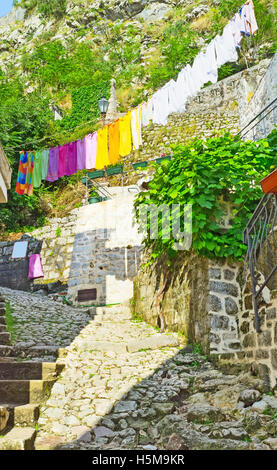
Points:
(97, 188)
(260, 236)
(262, 124)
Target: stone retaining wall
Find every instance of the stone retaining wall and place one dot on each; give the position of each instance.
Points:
(97, 246)
(216, 108)
(14, 272)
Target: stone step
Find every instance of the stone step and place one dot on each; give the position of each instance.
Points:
(3, 328)
(4, 417)
(37, 351)
(18, 439)
(24, 391)
(6, 351)
(30, 371)
(6, 360)
(19, 415)
(114, 310)
(5, 338)
(152, 342)
(2, 320)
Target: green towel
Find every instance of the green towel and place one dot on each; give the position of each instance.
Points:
(37, 169)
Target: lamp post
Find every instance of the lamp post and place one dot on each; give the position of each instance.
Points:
(103, 105)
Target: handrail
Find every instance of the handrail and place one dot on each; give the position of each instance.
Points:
(259, 235)
(259, 114)
(272, 106)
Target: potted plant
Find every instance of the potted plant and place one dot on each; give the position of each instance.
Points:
(94, 198)
(269, 183)
(114, 169)
(163, 159)
(96, 174)
(138, 165)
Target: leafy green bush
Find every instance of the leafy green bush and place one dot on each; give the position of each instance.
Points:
(200, 174)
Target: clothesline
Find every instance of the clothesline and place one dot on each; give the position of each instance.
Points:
(105, 146)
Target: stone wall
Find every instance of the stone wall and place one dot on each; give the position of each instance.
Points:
(210, 303)
(216, 108)
(14, 272)
(97, 246)
(258, 350)
(200, 300)
(265, 93)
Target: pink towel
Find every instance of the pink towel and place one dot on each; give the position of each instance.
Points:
(35, 267)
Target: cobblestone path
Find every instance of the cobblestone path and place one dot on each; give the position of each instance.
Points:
(40, 324)
(114, 393)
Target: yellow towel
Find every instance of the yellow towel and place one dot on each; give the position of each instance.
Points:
(102, 156)
(114, 142)
(125, 135)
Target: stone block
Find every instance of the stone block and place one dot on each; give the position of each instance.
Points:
(274, 358)
(224, 288)
(244, 328)
(230, 306)
(219, 322)
(229, 275)
(215, 303)
(264, 338)
(249, 340)
(153, 342)
(214, 273)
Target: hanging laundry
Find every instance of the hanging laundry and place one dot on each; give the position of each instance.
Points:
(63, 160)
(29, 175)
(179, 95)
(125, 135)
(199, 70)
(35, 267)
(146, 112)
(102, 155)
(44, 164)
(161, 108)
(81, 154)
(114, 142)
(236, 25)
(22, 172)
(53, 167)
(144, 116)
(173, 97)
(37, 169)
(249, 23)
(136, 127)
(72, 159)
(91, 149)
(225, 47)
(212, 70)
(191, 84)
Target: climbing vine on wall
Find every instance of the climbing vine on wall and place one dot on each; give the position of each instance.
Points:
(201, 174)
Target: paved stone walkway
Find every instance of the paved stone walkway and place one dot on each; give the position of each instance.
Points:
(42, 324)
(111, 398)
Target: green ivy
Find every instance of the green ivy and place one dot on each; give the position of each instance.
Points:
(201, 174)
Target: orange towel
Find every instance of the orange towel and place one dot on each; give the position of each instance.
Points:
(114, 142)
(125, 135)
(102, 156)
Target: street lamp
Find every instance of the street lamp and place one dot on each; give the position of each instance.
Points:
(103, 105)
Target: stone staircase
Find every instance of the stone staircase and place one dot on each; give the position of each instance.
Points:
(5, 337)
(23, 386)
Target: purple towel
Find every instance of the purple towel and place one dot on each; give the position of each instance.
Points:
(53, 165)
(63, 156)
(81, 154)
(72, 159)
(35, 267)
